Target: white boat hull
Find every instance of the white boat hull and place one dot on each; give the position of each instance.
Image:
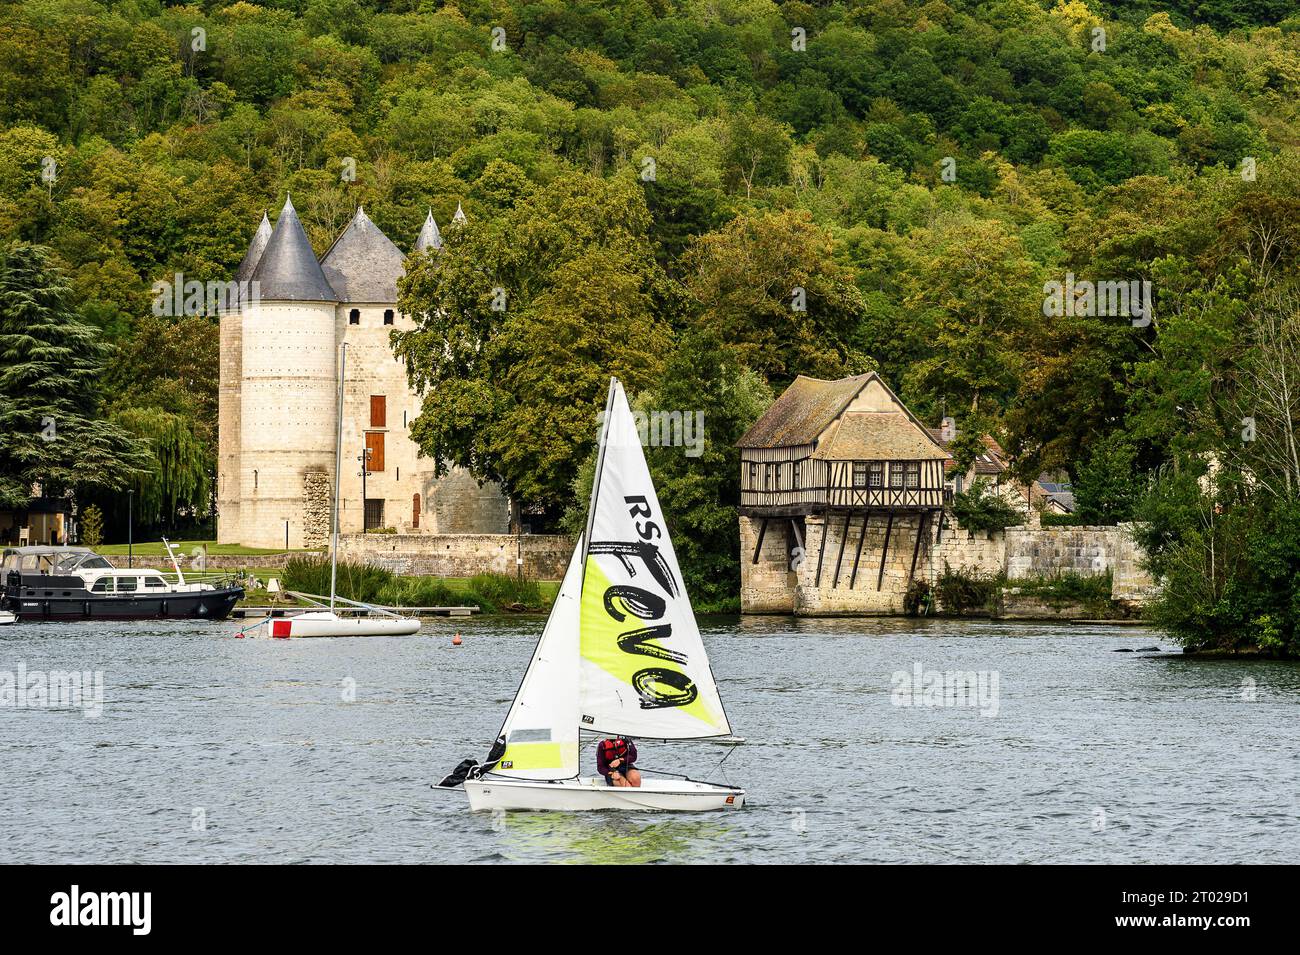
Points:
(587, 794)
(316, 624)
(7, 617)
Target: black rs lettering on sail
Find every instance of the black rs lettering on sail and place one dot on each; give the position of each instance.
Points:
(644, 551)
(656, 686)
(636, 601)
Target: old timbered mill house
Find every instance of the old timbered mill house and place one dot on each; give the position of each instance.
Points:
(841, 494)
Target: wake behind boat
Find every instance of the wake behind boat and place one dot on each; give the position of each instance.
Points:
(620, 655)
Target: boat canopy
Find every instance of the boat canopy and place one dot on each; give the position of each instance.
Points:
(52, 560)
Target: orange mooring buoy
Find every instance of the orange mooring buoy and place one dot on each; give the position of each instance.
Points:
(455, 641)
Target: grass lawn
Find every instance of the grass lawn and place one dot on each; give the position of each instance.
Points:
(156, 549)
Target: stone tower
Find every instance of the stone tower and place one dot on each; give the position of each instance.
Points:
(279, 392)
(287, 394)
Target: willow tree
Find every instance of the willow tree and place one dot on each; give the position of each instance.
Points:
(179, 478)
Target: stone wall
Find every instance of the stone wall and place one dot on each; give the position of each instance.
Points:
(768, 585)
(1057, 550)
(1131, 583)
(316, 517)
(771, 586)
(971, 552)
(545, 556)
(871, 592)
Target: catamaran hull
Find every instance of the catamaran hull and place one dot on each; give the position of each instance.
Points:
(591, 794)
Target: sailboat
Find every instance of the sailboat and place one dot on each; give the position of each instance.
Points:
(620, 655)
(324, 622)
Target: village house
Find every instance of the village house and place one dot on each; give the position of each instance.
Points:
(841, 489)
(42, 520)
(278, 398)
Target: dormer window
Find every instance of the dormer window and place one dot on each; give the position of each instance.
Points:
(388, 316)
(354, 317)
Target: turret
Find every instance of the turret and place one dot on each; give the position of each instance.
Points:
(288, 394)
(429, 237)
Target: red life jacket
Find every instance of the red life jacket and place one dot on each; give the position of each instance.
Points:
(613, 749)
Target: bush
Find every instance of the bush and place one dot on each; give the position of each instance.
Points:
(961, 591)
(1089, 590)
(503, 590)
(92, 527)
(1062, 520)
(356, 581)
(980, 509)
(918, 601)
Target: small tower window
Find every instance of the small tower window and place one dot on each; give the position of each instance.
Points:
(388, 316)
(354, 317)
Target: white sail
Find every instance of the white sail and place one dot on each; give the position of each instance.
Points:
(643, 671)
(541, 728)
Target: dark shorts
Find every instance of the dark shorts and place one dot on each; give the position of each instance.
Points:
(622, 769)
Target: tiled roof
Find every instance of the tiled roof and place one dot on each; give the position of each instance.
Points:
(430, 237)
(363, 264)
(255, 249)
(803, 411)
(878, 435)
(288, 270)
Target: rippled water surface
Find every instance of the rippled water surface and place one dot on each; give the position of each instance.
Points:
(1093, 756)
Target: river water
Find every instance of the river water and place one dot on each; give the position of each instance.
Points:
(215, 749)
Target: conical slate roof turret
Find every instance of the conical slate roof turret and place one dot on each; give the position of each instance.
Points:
(288, 270)
(459, 217)
(363, 264)
(429, 237)
(255, 249)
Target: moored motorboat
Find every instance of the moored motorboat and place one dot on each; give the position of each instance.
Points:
(7, 617)
(74, 583)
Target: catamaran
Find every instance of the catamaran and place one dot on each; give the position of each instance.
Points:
(324, 621)
(620, 655)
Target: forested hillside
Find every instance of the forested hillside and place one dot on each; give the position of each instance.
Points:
(652, 181)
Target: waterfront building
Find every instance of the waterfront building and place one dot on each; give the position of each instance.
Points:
(278, 398)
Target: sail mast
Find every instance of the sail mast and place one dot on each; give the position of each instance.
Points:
(600, 466)
(338, 470)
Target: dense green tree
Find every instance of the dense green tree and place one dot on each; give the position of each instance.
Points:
(51, 434)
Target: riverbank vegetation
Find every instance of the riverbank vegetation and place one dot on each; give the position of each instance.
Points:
(706, 200)
(492, 593)
(963, 592)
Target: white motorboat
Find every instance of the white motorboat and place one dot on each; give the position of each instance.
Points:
(620, 655)
(7, 617)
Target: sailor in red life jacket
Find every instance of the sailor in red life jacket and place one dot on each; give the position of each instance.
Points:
(614, 759)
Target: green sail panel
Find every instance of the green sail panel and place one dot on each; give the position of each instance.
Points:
(541, 728)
